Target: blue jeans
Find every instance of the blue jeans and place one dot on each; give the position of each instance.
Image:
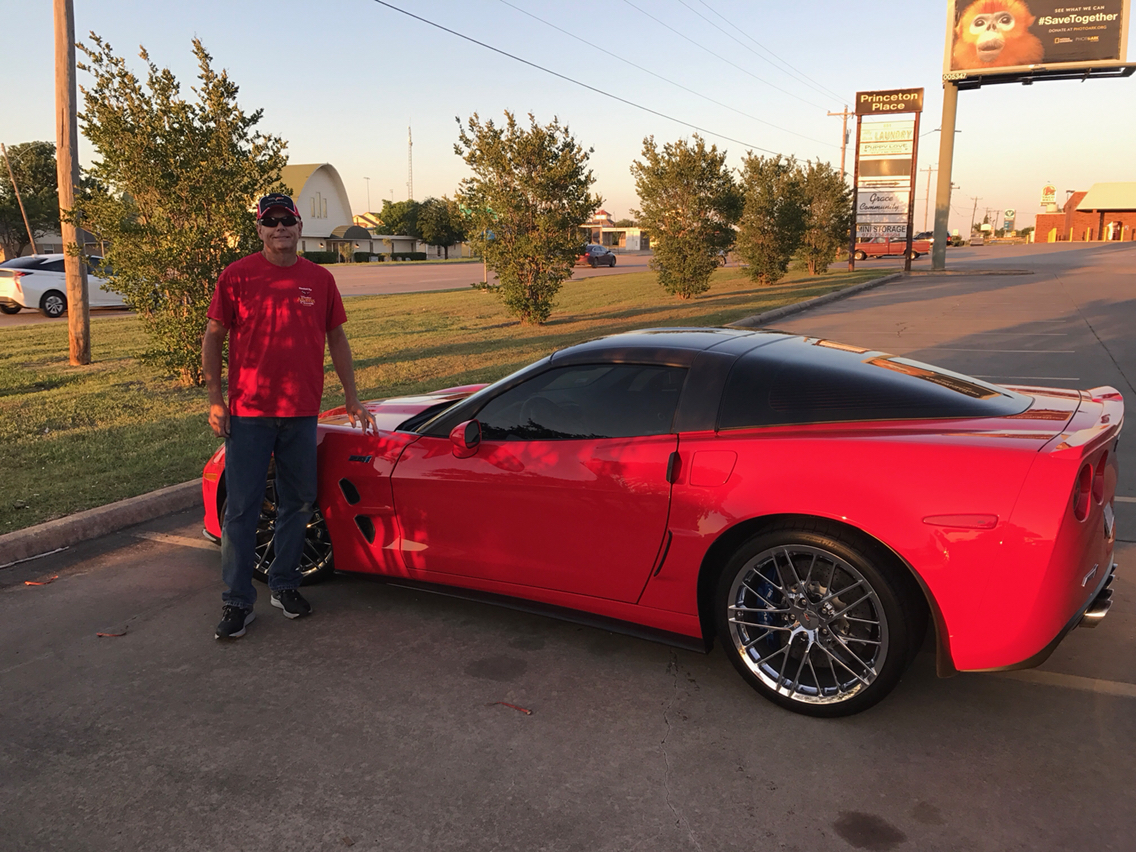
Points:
(252, 443)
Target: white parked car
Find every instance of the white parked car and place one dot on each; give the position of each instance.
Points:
(39, 281)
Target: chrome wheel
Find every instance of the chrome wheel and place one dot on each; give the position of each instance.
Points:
(808, 624)
(316, 559)
(818, 619)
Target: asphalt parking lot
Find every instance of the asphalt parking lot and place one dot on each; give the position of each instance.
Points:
(378, 723)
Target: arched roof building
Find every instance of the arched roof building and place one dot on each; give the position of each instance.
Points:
(320, 197)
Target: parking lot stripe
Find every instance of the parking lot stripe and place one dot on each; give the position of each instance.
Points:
(1028, 351)
(1033, 378)
(183, 541)
(1084, 684)
(1126, 499)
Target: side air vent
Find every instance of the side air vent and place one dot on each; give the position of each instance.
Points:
(350, 492)
(367, 527)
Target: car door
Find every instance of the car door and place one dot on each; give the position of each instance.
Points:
(568, 489)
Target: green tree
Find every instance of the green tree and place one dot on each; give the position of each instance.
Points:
(828, 204)
(689, 202)
(528, 196)
(440, 223)
(774, 218)
(176, 181)
(400, 218)
(625, 223)
(33, 164)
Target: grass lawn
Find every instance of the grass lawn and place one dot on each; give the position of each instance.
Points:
(80, 437)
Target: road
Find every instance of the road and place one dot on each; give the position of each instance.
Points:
(376, 723)
(378, 278)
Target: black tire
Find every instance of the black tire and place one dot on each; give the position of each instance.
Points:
(53, 304)
(10, 309)
(317, 562)
(612, 264)
(859, 255)
(592, 262)
(817, 621)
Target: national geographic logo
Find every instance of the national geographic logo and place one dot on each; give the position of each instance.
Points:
(889, 102)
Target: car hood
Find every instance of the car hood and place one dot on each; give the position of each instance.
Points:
(390, 413)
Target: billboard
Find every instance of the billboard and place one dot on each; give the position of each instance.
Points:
(1008, 36)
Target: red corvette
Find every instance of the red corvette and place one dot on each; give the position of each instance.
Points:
(812, 505)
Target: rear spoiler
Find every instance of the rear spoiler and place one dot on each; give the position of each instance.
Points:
(1106, 427)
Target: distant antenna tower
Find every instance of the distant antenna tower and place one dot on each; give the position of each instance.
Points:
(409, 166)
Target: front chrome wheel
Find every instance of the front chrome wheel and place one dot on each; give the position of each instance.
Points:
(316, 561)
(316, 558)
(814, 623)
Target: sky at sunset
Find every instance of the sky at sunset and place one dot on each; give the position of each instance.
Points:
(341, 82)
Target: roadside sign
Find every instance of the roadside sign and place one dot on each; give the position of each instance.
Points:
(884, 174)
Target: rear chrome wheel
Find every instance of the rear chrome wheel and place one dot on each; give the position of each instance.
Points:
(859, 255)
(815, 623)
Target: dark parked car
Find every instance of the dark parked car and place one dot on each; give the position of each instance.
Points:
(595, 255)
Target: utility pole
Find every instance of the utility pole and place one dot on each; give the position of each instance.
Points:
(843, 136)
(927, 196)
(409, 166)
(974, 213)
(20, 201)
(368, 180)
(67, 174)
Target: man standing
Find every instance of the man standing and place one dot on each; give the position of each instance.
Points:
(277, 309)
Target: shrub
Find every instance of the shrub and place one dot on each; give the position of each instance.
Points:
(321, 256)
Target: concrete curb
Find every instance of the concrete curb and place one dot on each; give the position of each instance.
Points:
(764, 319)
(54, 535)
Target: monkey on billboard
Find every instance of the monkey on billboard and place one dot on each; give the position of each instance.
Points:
(995, 34)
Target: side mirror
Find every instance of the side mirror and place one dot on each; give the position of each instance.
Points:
(466, 437)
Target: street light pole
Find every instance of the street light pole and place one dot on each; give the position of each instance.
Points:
(368, 180)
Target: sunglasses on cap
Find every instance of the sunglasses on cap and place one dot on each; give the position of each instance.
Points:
(272, 221)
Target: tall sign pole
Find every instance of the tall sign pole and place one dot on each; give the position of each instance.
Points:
(943, 187)
(67, 172)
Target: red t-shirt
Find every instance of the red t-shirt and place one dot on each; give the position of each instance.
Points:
(278, 318)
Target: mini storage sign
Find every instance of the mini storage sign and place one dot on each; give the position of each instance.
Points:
(889, 102)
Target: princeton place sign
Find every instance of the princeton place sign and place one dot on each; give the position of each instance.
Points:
(889, 102)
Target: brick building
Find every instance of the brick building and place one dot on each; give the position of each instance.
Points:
(1106, 212)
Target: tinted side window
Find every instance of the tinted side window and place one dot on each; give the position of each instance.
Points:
(586, 401)
(53, 266)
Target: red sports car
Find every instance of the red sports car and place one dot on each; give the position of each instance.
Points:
(811, 505)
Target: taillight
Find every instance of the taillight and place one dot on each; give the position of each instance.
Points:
(1081, 492)
(1098, 478)
(16, 276)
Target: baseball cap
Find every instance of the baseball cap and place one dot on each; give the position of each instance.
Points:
(276, 199)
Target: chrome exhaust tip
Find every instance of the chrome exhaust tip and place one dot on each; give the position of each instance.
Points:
(1101, 604)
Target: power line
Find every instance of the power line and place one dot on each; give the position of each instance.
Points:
(659, 76)
(570, 80)
(717, 55)
(793, 72)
